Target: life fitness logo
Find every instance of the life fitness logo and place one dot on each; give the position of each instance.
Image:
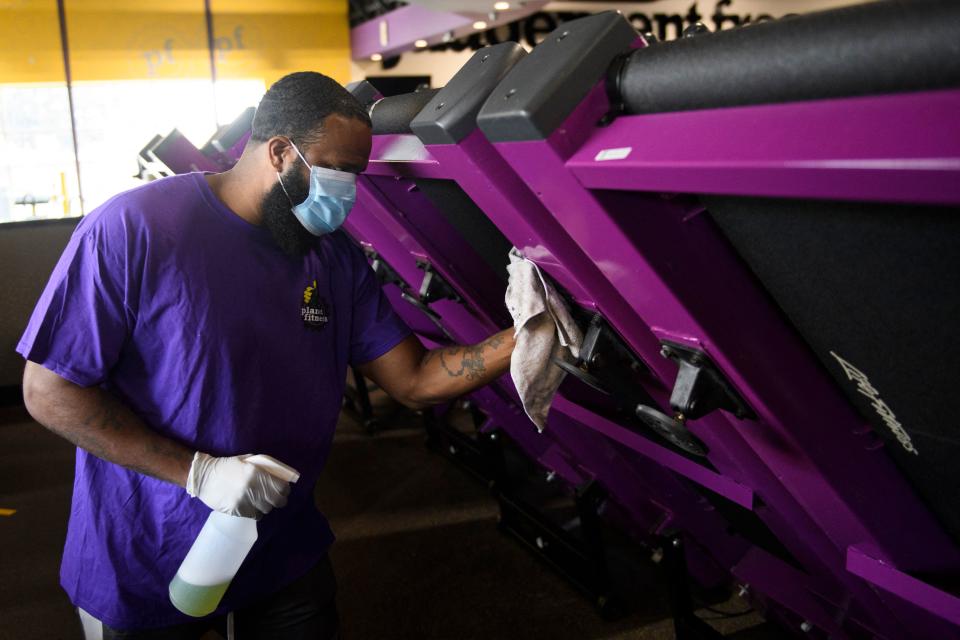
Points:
(314, 312)
(881, 407)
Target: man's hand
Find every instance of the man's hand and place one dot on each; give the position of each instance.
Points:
(234, 486)
(419, 378)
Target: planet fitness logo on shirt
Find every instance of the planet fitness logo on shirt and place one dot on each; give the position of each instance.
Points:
(314, 310)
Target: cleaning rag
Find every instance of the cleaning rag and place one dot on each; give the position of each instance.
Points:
(544, 330)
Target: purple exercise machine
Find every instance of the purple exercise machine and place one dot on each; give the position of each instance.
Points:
(757, 230)
(174, 154)
(443, 265)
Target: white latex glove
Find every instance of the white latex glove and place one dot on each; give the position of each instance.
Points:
(247, 486)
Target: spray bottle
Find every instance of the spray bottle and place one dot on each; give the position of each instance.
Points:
(218, 552)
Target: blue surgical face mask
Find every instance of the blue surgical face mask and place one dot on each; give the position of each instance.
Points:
(332, 194)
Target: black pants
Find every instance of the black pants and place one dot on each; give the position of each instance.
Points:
(304, 610)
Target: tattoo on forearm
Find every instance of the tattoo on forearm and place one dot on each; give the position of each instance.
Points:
(472, 362)
(493, 342)
(450, 352)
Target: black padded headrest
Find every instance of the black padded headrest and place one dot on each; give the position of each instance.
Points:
(880, 47)
(393, 114)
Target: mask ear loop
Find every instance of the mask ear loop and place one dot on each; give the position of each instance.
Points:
(292, 144)
(280, 180)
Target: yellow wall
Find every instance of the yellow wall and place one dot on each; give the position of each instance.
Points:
(30, 42)
(123, 40)
(119, 40)
(270, 39)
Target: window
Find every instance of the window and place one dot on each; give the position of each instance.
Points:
(116, 119)
(38, 177)
(137, 71)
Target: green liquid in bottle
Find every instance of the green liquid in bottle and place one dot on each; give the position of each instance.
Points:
(195, 600)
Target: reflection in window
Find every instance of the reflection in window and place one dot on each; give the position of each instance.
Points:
(38, 177)
(116, 119)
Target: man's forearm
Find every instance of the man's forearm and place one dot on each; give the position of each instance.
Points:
(97, 421)
(451, 372)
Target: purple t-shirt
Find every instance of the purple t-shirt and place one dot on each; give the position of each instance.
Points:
(200, 324)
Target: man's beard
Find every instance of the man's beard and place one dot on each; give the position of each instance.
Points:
(291, 236)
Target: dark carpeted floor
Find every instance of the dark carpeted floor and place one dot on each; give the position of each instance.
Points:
(418, 552)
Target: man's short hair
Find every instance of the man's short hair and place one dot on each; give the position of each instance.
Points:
(297, 104)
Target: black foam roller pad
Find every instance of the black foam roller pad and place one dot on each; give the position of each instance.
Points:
(393, 114)
(881, 47)
(365, 93)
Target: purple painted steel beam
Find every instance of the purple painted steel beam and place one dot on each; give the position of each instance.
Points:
(897, 148)
(483, 176)
(448, 253)
(179, 155)
(496, 189)
(730, 447)
(768, 487)
(395, 169)
(655, 300)
(649, 493)
(504, 416)
(402, 156)
(733, 491)
(374, 210)
(803, 480)
(655, 501)
(366, 229)
(883, 575)
(418, 322)
(522, 218)
(396, 250)
(397, 31)
(790, 588)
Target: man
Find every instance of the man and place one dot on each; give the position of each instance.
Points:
(199, 318)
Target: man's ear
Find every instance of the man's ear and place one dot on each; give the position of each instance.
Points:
(277, 148)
